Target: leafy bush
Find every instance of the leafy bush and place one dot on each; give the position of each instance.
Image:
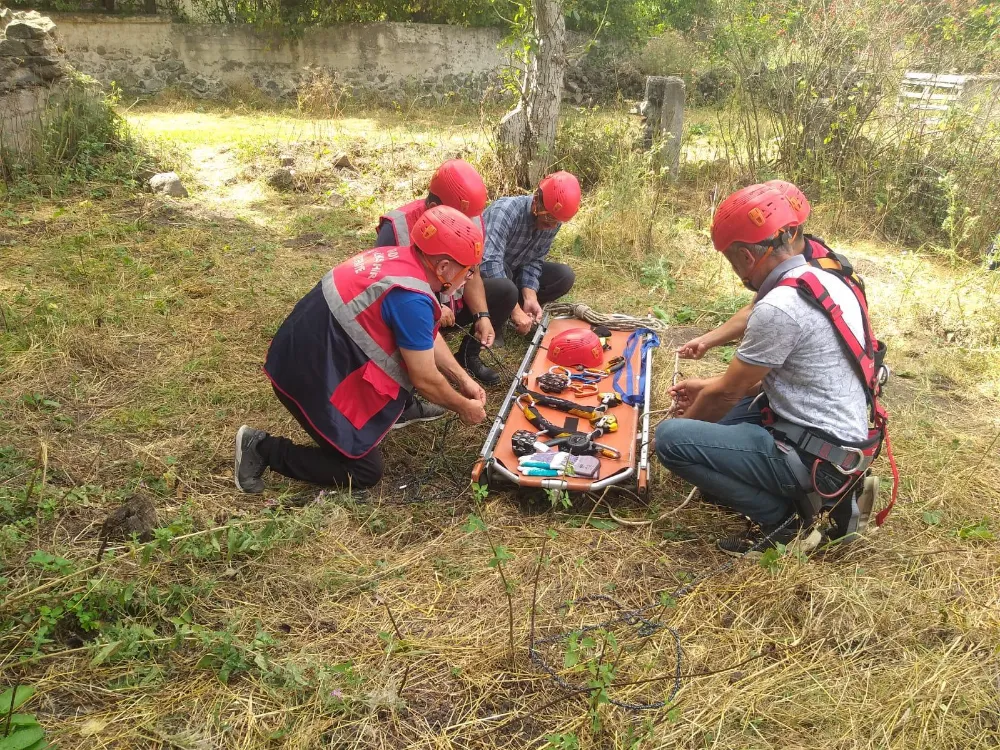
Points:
(815, 90)
(79, 137)
(591, 142)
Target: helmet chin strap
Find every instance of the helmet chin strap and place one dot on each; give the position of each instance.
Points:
(748, 279)
(446, 284)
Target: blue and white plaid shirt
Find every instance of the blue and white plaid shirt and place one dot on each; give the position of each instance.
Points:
(513, 247)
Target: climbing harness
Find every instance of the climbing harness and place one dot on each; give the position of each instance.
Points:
(867, 358)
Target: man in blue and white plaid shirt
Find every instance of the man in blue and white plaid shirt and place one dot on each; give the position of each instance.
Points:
(519, 234)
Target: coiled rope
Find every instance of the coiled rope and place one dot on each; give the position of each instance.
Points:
(614, 321)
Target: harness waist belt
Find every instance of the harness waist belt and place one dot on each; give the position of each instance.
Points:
(846, 460)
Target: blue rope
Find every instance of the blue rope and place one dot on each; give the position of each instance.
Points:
(651, 342)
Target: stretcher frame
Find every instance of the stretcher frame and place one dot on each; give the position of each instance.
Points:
(487, 468)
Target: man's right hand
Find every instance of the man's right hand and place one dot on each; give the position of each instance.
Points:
(685, 392)
(521, 321)
(472, 411)
(696, 348)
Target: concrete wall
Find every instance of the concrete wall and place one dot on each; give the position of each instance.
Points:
(144, 55)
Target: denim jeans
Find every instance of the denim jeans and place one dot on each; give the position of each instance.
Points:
(735, 463)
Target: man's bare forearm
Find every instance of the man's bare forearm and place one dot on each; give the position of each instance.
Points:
(731, 330)
(446, 363)
(713, 402)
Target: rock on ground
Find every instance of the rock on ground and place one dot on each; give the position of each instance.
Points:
(168, 183)
(282, 178)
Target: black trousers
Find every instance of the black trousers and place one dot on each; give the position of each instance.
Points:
(502, 294)
(320, 464)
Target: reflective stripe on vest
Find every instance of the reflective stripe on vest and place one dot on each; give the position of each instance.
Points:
(398, 220)
(403, 218)
(346, 314)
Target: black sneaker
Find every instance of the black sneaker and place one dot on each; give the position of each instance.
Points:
(419, 411)
(249, 465)
(468, 358)
(756, 540)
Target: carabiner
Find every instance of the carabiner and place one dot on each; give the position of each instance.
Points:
(584, 390)
(587, 377)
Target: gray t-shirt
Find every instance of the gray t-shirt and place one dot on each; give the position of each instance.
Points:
(812, 382)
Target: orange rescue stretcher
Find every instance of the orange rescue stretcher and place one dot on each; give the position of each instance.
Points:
(497, 460)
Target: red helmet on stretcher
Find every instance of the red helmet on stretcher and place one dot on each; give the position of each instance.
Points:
(576, 346)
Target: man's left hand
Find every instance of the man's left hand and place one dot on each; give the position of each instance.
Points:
(532, 308)
(485, 332)
(471, 389)
(447, 317)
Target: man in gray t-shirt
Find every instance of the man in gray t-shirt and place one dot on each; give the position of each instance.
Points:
(790, 354)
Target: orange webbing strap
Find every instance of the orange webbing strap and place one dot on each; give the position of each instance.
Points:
(884, 513)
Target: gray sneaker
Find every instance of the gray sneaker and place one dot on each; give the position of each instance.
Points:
(849, 517)
(419, 411)
(249, 465)
(866, 501)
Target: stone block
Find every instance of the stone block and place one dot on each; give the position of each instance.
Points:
(282, 178)
(168, 183)
(38, 27)
(13, 48)
(39, 47)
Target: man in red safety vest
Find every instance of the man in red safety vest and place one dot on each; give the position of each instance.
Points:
(349, 356)
(793, 425)
(455, 183)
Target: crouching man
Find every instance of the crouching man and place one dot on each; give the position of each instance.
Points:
(785, 430)
(347, 360)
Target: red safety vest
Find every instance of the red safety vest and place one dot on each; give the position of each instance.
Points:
(402, 220)
(866, 356)
(338, 360)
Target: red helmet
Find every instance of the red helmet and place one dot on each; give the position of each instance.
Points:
(576, 346)
(796, 198)
(754, 215)
(560, 195)
(443, 230)
(458, 184)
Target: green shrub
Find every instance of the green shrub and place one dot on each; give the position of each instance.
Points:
(816, 100)
(79, 137)
(593, 141)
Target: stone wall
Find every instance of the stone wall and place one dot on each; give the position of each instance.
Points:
(146, 55)
(31, 67)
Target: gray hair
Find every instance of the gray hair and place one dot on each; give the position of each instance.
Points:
(757, 251)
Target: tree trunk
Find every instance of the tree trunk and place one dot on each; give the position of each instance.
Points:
(109, 6)
(149, 6)
(526, 135)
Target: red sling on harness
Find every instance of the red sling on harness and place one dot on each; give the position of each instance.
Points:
(864, 356)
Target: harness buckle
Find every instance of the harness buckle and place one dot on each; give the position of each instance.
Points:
(857, 464)
(882, 376)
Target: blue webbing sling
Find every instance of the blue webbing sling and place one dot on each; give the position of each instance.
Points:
(652, 341)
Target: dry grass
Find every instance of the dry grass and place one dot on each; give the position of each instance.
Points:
(142, 322)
